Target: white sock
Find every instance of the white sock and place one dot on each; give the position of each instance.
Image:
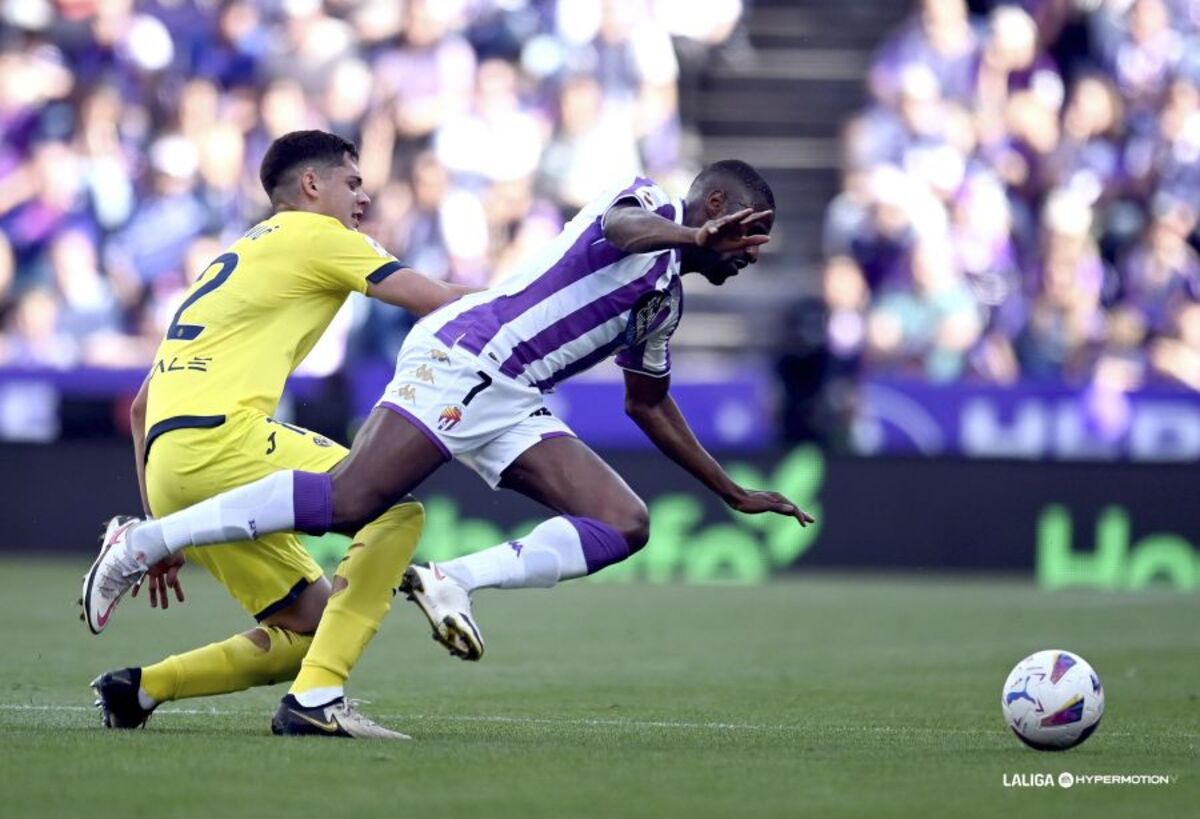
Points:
(316, 697)
(550, 553)
(145, 700)
(245, 513)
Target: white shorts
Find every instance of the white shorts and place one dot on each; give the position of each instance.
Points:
(470, 410)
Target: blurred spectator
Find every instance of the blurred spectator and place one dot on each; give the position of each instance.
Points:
(1068, 214)
(1176, 355)
(131, 133)
(32, 335)
(1165, 155)
(430, 79)
(1065, 317)
(1088, 156)
(940, 37)
(88, 304)
(931, 326)
(498, 138)
(587, 152)
(152, 244)
(847, 296)
(1143, 55)
(1162, 269)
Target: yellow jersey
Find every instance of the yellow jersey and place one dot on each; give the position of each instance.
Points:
(254, 314)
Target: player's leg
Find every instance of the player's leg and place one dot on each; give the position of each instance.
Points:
(391, 455)
(396, 450)
(363, 587)
(275, 580)
(316, 636)
(364, 583)
(265, 655)
(601, 521)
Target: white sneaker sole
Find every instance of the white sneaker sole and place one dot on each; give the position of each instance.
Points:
(97, 624)
(458, 634)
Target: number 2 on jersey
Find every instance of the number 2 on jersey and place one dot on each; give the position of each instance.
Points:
(188, 332)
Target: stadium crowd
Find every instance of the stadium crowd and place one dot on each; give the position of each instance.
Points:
(132, 133)
(1020, 200)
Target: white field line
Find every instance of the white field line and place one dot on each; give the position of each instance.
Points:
(587, 722)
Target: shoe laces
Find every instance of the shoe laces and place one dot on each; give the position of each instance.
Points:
(349, 708)
(123, 572)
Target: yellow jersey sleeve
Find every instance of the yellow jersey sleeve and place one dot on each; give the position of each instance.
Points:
(344, 259)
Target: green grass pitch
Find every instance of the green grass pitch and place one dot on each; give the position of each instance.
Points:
(818, 696)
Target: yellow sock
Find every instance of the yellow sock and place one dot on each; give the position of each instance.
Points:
(231, 665)
(371, 570)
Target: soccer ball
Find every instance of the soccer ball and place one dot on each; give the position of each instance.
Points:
(1052, 700)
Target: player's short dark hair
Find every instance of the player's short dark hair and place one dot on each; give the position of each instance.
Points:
(729, 172)
(298, 148)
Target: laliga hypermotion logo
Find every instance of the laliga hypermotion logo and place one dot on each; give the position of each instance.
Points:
(449, 418)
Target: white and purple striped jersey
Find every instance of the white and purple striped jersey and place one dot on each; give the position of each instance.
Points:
(577, 302)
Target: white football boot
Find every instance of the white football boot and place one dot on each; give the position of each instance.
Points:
(447, 606)
(340, 718)
(115, 572)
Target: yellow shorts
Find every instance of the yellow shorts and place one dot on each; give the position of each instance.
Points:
(191, 459)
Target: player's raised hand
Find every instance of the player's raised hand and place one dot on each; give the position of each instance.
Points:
(728, 233)
(756, 501)
(163, 575)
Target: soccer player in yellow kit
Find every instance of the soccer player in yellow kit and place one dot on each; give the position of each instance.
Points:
(202, 424)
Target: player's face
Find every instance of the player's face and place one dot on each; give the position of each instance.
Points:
(342, 195)
(720, 267)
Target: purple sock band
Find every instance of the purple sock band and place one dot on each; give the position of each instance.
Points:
(602, 544)
(312, 502)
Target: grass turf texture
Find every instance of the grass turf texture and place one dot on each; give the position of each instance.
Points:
(817, 696)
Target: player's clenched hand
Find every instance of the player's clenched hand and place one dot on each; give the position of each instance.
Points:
(728, 233)
(163, 575)
(755, 502)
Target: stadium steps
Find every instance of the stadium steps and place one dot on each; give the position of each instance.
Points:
(782, 108)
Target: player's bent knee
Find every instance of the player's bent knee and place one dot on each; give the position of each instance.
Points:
(260, 638)
(304, 614)
(634, 525)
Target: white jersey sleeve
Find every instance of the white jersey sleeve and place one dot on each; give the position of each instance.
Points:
(645, 194)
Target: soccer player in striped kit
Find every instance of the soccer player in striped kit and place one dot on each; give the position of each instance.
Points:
(469, 383)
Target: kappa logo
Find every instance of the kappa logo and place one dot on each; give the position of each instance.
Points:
(322, 441)
(517, 546)
(449, 418)
(424, 373)
(439, 356)
(407, 393)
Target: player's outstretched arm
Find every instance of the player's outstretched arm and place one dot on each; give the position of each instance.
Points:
(636, 230)
(415, 291)
(648, 402)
